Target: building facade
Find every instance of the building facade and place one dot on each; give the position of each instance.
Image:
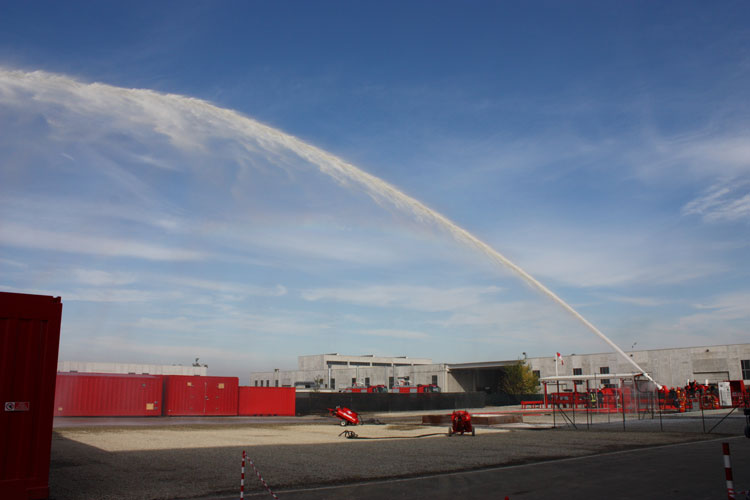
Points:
(335, 372)
(132, 368)
(669, 367)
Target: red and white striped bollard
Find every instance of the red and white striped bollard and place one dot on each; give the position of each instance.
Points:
(242, 480)
(728, 472)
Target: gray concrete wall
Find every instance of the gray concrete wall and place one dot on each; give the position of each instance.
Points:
(137, 368)
(670, 367)
(322, 361)
(345, 375)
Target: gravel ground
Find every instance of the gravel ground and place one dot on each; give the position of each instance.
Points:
(193, 461)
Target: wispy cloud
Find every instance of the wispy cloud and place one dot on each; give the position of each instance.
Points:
(120, 295)
(13, 263)
(418, 298)
(613, 257)
(640, 301)
(724, 202)
(97, 277)
(136, 347)
(222, 286)
(399, 334)
(68, 210)
(83, 243)
(726, 307)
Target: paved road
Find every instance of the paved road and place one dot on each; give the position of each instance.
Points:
(690, 470)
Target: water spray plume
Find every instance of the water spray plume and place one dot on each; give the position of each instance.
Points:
(384, 190)
(189, 122)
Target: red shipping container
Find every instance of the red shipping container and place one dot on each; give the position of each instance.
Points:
(186, 395)
(267, 401)
(108, 395)
(29, 341)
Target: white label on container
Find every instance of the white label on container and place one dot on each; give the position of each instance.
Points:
(16, 406)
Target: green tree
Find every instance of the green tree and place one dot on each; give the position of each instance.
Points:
(519, 379)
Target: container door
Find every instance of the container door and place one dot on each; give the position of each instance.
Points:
(206, 399)
(29, 339)
(213, 397)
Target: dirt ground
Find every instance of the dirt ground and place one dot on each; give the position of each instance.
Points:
(201, 460)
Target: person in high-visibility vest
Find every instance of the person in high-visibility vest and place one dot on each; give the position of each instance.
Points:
(681, 400)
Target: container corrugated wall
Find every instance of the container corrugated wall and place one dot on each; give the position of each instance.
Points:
(267, 401)
(29, 341)
(188, 396)
(108, 395)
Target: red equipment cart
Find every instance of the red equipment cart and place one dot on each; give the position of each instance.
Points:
(460, 423)
(347, 416)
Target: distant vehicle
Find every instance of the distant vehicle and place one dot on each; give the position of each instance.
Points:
(410, 389)
(368, 389)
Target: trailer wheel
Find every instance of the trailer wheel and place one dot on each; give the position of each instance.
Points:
(343, 423)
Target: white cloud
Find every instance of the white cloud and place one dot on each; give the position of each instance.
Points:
(68, 210)
(13, 263)
(723, 319)
(136, 347)
(223, 286)
(419, 298)
(82, 243)
(119, 295)
(694, 156)
(719, 155)
(103, 278)
(640, 301)
(724, 202)
(329, 246)
(611, 260)
(399, 334)
(731, 306)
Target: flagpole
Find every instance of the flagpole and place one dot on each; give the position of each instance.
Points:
(557, 360)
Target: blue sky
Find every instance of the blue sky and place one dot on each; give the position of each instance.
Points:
(186, 175)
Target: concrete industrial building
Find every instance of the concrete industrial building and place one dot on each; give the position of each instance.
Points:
(132, 368)
(335, 371)
(670, 367)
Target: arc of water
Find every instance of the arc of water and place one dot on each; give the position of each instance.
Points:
(167, 112)
(377, 187)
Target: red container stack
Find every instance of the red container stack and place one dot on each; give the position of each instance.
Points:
(267, 401)
(108, 395)
(29, 341)
(186, 395)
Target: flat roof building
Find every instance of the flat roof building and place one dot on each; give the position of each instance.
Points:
(669, 367)
(134, 368)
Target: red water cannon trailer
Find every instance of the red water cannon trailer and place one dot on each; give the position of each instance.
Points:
(460, 423)
(345, 415)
